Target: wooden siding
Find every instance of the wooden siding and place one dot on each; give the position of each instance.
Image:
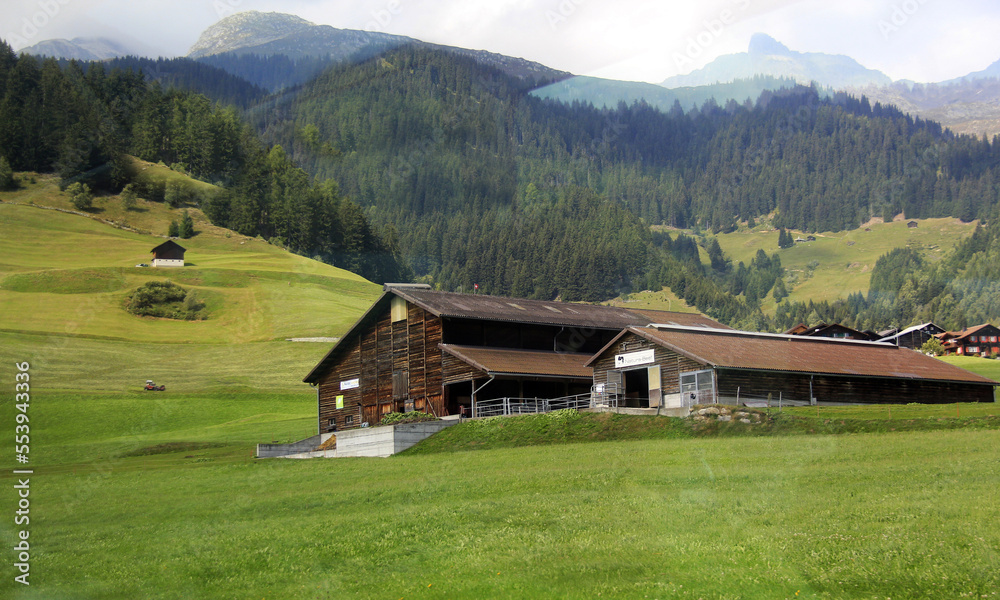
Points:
(671, 363)
(346, 368)
(866, 390)
(405, 351)
(455, 371)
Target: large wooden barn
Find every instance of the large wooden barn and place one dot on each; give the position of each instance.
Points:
(438, 352)
(675, 366)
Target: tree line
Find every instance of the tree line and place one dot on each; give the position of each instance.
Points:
(85, 121)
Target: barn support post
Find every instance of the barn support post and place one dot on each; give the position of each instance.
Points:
(476, 390)
(319, 419)
(812, 399)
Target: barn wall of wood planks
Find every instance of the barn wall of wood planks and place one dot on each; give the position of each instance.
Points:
(398, 366)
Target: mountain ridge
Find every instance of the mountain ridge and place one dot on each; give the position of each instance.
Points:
(254, 32)
(769, 57)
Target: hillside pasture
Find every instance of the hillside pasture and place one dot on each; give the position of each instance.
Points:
(840, 263)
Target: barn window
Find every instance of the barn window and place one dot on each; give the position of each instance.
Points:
(398, 309)
(348, 420)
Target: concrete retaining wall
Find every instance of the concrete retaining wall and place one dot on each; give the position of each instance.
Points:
(387, 440)
(306, 445)
(367, 441)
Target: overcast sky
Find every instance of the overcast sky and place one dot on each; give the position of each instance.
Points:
(642, 40)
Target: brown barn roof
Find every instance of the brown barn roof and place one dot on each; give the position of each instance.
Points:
(497, 361)
(542, 312)
(789, 353)
(513, 310)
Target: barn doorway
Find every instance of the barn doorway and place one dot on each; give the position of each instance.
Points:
(641, 387)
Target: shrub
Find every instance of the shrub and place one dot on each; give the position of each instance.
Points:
(933, 346)
(410, 417)
(129, 197)
(166, 300)
(80, 195)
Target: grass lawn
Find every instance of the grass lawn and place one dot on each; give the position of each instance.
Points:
(865, 516)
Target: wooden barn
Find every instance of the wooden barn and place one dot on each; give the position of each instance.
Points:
(833, 330)
(440, 352)
(675, 367)
(913, 337)
(168, 254)
(981, 340)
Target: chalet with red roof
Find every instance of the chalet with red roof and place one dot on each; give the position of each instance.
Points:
(981, 340)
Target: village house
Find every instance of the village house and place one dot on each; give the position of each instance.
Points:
(980, 340)
(670, 366)
(912, 337)
(443, 353)
(168, 254)
(833, 330)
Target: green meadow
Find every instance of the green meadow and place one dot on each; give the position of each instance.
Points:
(833, 266)
(156, 495)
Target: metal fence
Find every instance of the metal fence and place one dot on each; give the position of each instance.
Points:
(600, 396)
(777, 400)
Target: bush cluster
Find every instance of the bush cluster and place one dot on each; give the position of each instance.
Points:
(166, 300)
(410, 417)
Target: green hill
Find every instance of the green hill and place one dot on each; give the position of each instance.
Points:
(833, 266)
(64, 279)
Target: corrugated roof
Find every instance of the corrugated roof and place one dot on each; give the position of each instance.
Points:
(497, 361)
(543, 312)
(906, 331)
(775, 352)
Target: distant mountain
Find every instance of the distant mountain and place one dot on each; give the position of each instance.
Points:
(273, 34)
(79, 49)
(992, 71)
(609, 92)
(965, 105)
(768, 57)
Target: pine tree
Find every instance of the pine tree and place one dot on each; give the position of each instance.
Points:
(186, 227)
(173, 230)
(6, 175)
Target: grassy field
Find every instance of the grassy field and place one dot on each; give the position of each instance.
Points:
(859, 516)
(155, 495)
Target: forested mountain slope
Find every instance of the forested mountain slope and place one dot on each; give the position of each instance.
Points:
(450, 152)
